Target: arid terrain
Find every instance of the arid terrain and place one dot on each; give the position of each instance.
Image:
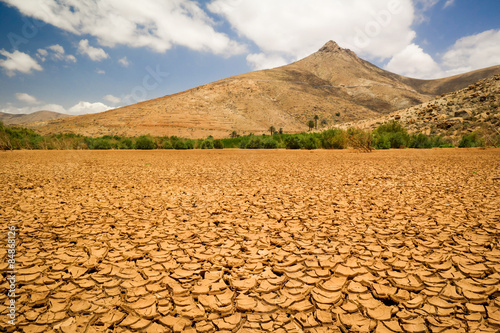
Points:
(332, 83)
(253, 241)
(472, 109)
(39, 116)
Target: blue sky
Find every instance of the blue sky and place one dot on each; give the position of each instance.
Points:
(88, 56)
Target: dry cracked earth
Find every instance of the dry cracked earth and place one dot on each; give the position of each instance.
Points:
(243, 241)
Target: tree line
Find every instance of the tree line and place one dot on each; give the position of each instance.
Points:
(388, 135)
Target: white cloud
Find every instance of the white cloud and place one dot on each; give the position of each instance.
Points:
(58, 49)
(24, 97)
(124, 62)
(263, 61)
(9, 108)
(87, 107)
(94, 53)
(425, 5)
(112, 99)
(296, 28)
(100, 71)
(18, 62)
(148, 23)
(473, 52)
(55, 52)
(448, 3)
(79, 108)
(42, 54)
(421, 9)
(467, 54)
(414, 62)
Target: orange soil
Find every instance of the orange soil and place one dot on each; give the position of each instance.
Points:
(252, 241)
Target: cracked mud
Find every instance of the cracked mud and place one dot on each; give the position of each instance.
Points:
(243, 241)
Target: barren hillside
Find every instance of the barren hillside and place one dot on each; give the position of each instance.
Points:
(332, 83)
(15, 119)
(475, 108)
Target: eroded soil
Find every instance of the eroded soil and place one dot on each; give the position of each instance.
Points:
(244, 241)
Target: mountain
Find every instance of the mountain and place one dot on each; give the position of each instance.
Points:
(39, 116)
(332, 83)
(475, 108)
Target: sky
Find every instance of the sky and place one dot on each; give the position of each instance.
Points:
(87, 56)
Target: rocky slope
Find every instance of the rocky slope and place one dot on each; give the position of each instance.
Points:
(475, 108)
(332, 83)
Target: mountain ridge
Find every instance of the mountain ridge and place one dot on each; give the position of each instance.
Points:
(333, 83)
(23, 118)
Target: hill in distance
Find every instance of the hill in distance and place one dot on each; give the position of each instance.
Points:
(332, 83)
(475, 108)
(38, 116)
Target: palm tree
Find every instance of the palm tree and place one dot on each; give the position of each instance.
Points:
(310, 123)
(272, 130)
(316, 117)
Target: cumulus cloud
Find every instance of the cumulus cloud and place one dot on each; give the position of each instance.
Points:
(87, 107)
(94, 53)
(55, 52)
(295, 28)
(148, 23)
(264, 61)
(24, 97)
(58, 49)
(100, 71)
(18, 62)
(9, 108)
(77, 109)
(42, 53)
(124, 62)
(473, 52)
(112, 99)
(467, 54)
(421, 9)
(414, 62)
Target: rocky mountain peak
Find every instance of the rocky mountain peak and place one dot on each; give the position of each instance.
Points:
(330, 46)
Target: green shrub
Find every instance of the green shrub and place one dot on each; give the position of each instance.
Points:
(420, 141)
(270, 143)
(292, 142)
(254, 143)
(359, 139)
(100, 143)
(167, 144)
(243, 144)
(309, 142)
(144, 142)
(439, 141)
(126, 143)
(180, 145)
(189, 144)
(207, 144)
(398, 140)
(471, 140)
(381, 141)
(218, 144)
(333, 139)
(390, 135)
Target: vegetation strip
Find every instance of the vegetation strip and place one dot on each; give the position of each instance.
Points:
(388, 135)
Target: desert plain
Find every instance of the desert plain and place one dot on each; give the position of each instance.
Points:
(253, 241)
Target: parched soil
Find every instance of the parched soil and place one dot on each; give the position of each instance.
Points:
(252, 241)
